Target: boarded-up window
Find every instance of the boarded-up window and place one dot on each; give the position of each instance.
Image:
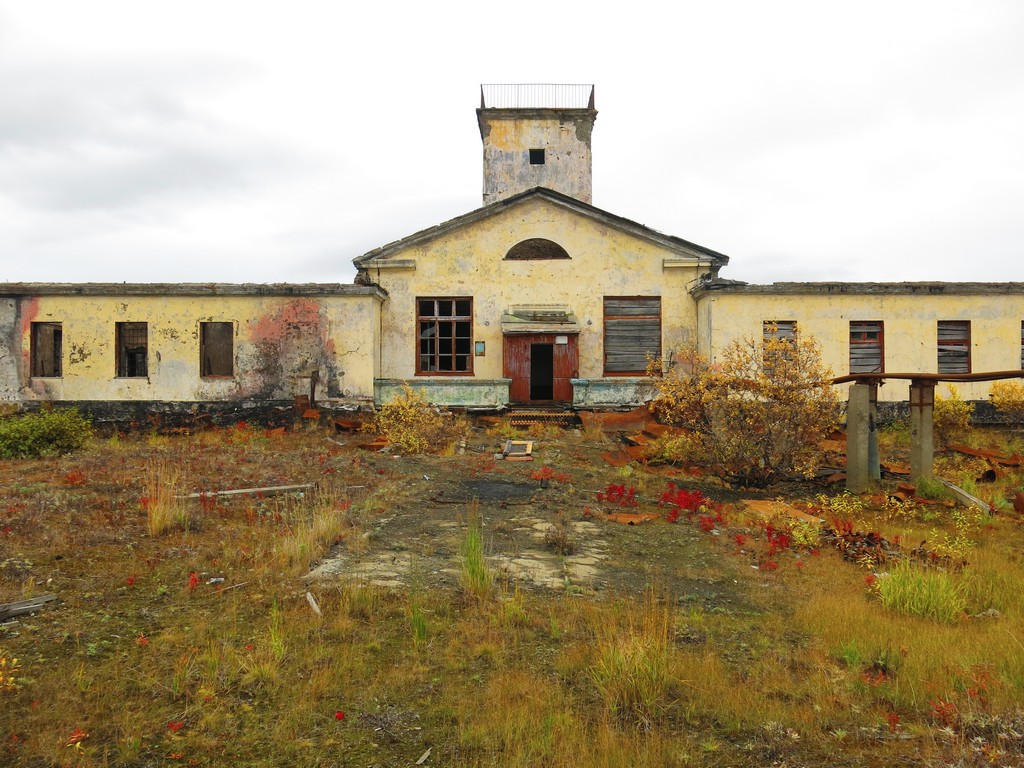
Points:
(632, 333)
(867, 351)
(444, 336)
(216, 349)
(779, 329)
(954, 342)
(131, 343)
(47, 349)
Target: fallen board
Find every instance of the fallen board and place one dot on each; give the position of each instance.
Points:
(10, 610)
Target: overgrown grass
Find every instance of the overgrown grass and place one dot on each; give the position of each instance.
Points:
(800, 666)
(927, 593)
(164, 509)
(632, 670)
(475, 574)
(314, 521)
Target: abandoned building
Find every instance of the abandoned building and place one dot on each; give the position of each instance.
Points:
(537, 297)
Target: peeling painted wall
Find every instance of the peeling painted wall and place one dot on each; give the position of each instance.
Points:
(910, 344)
(469, 262)
(10, 349)
(278, 342)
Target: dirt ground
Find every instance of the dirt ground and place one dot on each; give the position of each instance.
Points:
(415, 538)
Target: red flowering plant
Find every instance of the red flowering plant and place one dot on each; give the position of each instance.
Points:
(619, 495)
(547, 473)
(681, 500)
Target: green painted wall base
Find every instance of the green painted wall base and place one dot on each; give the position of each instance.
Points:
(611, 392)
(455, 392)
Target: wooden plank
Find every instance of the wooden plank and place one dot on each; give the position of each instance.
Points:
(270, 490)
(20, 607)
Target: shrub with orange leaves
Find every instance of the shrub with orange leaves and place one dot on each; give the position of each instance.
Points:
(757, 413)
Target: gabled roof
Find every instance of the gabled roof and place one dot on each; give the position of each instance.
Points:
(381, 256)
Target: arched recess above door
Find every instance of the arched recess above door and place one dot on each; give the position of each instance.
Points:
(536, 249)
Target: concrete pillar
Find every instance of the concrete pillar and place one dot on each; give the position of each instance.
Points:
(922, 444)
(858, 438)
(874, 461)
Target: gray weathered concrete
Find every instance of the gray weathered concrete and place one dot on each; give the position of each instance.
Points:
(922, 441)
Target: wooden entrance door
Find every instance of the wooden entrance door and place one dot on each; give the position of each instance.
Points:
(540, 366)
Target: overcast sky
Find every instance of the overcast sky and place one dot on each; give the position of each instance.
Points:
(255, 141)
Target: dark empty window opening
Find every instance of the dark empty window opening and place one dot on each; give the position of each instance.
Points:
(216, 349)
(444, 336)
(542, 371)
(536, 248)
(1022, 345)
(536, 157)
(632, 333)
(132, 345)
(954, 343)
(46, 350)
(867, 348)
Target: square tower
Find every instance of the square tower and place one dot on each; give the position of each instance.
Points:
(536, 136)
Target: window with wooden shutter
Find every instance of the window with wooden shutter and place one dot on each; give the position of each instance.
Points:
(867, 351)
(632, 333)
(216, 349)
(46, 350)
(954, 343)
(779, 329)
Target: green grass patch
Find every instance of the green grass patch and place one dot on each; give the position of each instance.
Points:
(925, 593)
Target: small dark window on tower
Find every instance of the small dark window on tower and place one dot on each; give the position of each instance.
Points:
(536, 157)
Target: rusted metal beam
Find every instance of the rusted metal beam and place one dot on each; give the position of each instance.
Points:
(875, 378)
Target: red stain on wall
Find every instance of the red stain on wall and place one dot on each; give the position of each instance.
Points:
(287, 320)
(28, 311)
(290, 340)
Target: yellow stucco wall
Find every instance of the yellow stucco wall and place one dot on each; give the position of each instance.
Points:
(278, 341)
(469, 262)
(910, 322)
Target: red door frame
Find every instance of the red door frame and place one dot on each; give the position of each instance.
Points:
(516, 358)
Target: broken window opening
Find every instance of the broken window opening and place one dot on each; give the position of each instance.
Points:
(216, 349)
(131, 342)
(46, 350)
(537, 156)
(632, 333)
(867, 346)
(444, 336)
(954, 346)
